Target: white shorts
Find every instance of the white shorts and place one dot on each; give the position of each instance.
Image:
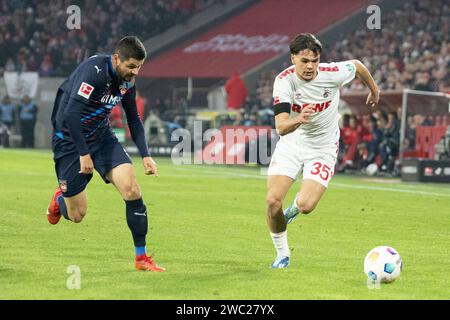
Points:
(291, 160)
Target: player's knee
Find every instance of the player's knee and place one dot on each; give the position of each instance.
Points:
(132, 192)
(274, 203)
(306, 206)
(77, 215)
(77, 219)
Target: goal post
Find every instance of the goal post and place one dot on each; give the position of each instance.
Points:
(427, 115)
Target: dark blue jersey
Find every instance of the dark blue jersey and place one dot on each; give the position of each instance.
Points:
(85, 100)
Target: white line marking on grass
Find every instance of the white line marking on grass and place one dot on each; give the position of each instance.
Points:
(220, 173)
(352, 186)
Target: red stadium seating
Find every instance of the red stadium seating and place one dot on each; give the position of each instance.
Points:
(249, 38)
(426, 139)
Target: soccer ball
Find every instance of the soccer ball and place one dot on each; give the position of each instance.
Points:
(372, 169)
(383, 264)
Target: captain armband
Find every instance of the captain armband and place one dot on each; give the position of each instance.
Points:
(282, 107)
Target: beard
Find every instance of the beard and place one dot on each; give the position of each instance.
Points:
(124, 75)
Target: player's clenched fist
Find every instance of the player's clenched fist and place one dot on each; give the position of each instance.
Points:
(373, 98)
(86, 164)
(305, 114)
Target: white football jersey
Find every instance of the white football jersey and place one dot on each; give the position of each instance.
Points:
(322, 93)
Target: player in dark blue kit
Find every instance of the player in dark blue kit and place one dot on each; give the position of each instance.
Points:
(83, 140)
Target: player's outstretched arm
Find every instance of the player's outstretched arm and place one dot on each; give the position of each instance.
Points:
(364, 75)
(285, 125)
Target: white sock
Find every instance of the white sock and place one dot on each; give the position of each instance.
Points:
(295, 202)
(281, 244)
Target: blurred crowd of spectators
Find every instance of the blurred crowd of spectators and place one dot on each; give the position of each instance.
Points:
(253, 108)
(369, 139)
(34, 35)
(17, 119)
(375, 138)
(411, 50)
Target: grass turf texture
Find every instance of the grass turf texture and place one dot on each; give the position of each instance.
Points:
(207, 227)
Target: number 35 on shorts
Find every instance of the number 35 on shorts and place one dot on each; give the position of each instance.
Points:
(322, 170)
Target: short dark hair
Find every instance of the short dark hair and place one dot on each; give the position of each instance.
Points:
(304, 41)
(130, 47)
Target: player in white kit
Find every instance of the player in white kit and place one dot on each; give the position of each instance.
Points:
(306, 97)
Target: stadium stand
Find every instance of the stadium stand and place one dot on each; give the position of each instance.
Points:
(29, 41)
(395, 57)
(410, 51)
(398, 55)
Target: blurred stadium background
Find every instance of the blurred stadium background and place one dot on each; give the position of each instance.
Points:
(215, 61)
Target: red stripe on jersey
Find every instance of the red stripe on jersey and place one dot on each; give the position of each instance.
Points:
(334, 69)
(286, 72)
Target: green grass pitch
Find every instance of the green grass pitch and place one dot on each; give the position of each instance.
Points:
(207, 227)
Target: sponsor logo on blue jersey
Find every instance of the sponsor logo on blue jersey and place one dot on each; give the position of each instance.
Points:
(110, 100)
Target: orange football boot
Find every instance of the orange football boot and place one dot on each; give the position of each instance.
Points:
(53, 213)
(145, 263)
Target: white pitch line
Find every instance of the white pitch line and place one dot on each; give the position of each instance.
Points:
(223, 174)
(333, 184)
(352, 186)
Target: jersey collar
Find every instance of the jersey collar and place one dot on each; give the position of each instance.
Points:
(111, 70)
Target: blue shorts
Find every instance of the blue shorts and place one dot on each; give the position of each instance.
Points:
(106, 156)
